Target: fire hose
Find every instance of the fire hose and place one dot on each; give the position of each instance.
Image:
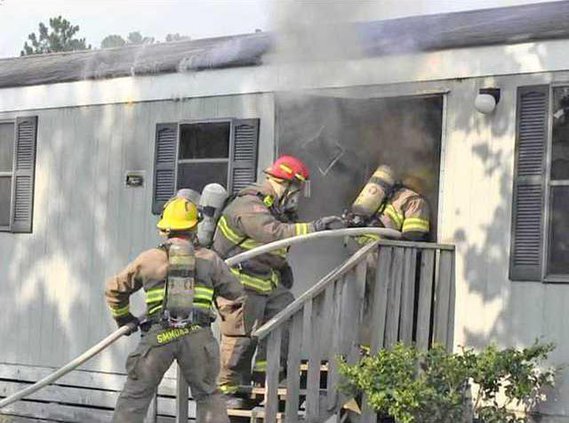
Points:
(113, 337)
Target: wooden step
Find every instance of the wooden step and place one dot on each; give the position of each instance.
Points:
(323, 367)
(254, 415)
(259, 391)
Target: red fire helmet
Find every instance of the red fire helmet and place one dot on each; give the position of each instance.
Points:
(290, 169)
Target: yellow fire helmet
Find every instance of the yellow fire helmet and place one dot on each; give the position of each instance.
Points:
(179, 215)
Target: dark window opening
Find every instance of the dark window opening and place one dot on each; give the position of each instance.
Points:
(5, 197)
(6, 171)
(558, 245)
(205, 140)
(560, 135)
(6, 146)
(343, 140)
(559, 231)
(203, 154)
(198, 175)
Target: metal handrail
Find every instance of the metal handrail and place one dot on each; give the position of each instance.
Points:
(113, 337)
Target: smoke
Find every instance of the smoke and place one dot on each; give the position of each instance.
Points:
(314, 31)
(340, 136)
(343, 135)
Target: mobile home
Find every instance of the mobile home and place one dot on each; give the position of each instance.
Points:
(93, 143)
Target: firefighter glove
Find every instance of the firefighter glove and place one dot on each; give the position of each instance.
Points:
(287, 279)
(128, 320)
(329, 222)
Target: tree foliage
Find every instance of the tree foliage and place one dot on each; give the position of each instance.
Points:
(176, 37)
(136, 38)
(60, 36)
(112, 41)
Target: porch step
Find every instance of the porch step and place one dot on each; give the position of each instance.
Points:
(259, 391)
(254, 415)
(323, 367)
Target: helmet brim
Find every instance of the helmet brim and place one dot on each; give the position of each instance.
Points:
(176, 226)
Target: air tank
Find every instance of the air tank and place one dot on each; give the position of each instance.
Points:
(374, 192)
(189, 194)
(180, 290)
(211, 204)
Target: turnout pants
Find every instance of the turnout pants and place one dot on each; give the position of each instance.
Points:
(197, 353)
(237, 348)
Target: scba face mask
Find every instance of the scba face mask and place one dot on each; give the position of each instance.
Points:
(291, 201)
(288, 209)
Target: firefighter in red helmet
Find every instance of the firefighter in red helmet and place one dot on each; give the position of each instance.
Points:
(260, 214)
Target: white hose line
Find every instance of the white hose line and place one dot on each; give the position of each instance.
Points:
(67, 368)
(94, 350)
(334, 233)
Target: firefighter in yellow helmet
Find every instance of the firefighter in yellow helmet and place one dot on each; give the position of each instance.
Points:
(260, 214)
(180, 281)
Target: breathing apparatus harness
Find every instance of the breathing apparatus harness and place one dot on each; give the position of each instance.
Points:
(178, 309)
(267, 199)
(356, 220)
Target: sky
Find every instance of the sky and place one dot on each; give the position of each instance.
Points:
(203, 18)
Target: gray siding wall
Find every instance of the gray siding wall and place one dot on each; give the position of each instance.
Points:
(475, 214)
(88, 225)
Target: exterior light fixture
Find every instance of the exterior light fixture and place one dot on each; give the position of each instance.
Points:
(486, 100)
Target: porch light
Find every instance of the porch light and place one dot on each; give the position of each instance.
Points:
(486, 100)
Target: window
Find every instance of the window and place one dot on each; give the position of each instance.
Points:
(194, 154)
(540, 210)
(17, 169)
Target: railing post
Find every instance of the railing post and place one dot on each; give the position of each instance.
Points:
(347, 322)
(450, 334)
(379, 312)
(442, 298)
(408, 296)
(425, 299)
(394, 297)
(383, 282)
(350, 295)
(273, 367)
(314, 360)
(182, 397)
(333, 375)
(293, 369)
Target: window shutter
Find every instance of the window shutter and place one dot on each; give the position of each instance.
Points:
(526, 256)
(244, 160)
(24, 173)
(164, 165)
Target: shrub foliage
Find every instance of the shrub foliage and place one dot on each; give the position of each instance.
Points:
(439, 387)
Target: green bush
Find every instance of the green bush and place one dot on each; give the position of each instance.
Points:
(435, 386)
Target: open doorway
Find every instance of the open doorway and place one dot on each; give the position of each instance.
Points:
(343, 140)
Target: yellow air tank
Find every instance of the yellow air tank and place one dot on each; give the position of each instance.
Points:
(374, 192)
